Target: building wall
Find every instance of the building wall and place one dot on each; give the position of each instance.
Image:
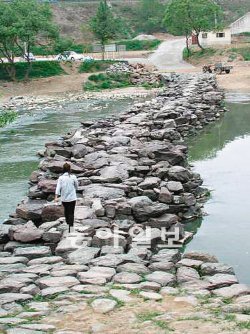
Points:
(241, 25)
(214, 38)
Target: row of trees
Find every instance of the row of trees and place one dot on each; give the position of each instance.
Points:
(22, 23)
(181, 17)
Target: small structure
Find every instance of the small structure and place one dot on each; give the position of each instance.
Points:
(210, 38)
(241, 25)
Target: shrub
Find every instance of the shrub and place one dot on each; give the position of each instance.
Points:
(95, 66)
(105, 81)
(40, 69)
(136, 45)
(7, 117)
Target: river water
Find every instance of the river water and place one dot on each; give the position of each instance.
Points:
(20, 141)
(221, 154)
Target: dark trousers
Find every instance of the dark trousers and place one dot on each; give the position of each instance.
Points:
(69, 211)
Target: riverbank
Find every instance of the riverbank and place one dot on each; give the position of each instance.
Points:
(133, 173)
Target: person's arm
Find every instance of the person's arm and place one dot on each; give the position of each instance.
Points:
(58, 189)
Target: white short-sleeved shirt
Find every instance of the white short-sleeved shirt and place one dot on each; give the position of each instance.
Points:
(66, 187)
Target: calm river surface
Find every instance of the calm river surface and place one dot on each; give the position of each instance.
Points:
(20, 141)
(221, 154)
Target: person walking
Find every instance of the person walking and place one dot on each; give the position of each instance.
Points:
(67, 185)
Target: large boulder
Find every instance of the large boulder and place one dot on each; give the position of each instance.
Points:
(47, 186)
(179, 173)
(143, 208)
(56, 166)
(25, 233)
(31, 210)
(52, 212)
(83, 255)
(79, 151)
(166, 220)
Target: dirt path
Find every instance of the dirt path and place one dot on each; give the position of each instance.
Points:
(168, 57)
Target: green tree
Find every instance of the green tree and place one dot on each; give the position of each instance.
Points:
(177, 21)
(150, 15)
(104, 25)
(22, 24)
(198, 15)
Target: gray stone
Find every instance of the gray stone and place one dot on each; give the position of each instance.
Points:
(162, 266)
(167, 255)
(174, 186)
(112, 250)
(103, 305)
(143, 208)
(150, 295)
(12, 260)
(96, 272)
(51, 282)
(200, 256)
(127, 278)
(210, 269)
(190, 263)
(179, 173)
(32, 252)
(137, 268)
(150, 286)
(167, 220)
(165, 196)
(187, 274)
(150, 183)
(165, 279)
(45, 260)
(220, 280)
(100, 191)
(111, 260)
(31, 289)
(38, 327)
(23, 331)
(122, 295)
(83, 255)
(232, 291)
(48, 292)
(14, 297)
(25, 233)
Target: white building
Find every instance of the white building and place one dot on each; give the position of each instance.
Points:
(241, 25)
(210, 38)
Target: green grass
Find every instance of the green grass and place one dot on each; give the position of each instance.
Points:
(7, 117)
(95, 66)
(40, 69)
(135, 45)
(104, 81)
(198, 54)
(148, 316)
(244, 325)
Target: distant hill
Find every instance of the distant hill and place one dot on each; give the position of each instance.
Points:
(73, 16)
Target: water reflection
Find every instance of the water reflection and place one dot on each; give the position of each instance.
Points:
(221, 155)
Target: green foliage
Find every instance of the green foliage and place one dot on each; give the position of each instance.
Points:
(104, 81)
(136, 45)
(244, 52)
(39, 69)
(244, 325)
(95, 66)
(7, 117)
(104, 25)
(184, 16)
(21, 23)
(147, 316)
(150, 14)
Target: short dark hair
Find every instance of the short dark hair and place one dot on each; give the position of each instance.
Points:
(66, 168)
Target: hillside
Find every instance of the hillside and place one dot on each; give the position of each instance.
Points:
(73, 17)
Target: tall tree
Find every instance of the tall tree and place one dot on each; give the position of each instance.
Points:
(22, 23)
(104, 25)
(177, 21)
(198, 15)
(150, 14)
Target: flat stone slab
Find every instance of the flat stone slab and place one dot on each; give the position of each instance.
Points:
(13, 259)
(38, 327)
(200, 256)
(51, 282)
(46, 260)
(47, 292)
(137, 268)
(11, 321)
(122, 295)
(187, 299)
(23, 331)
(209, 269)
(127, 278)
(190, 263)
(14, 297)
(103, 305)
(232, 291)
(83, 255)
(167, 255)
(150, 286)
(164, 279)
(32, 252)
(150, 295)
(96, 272)
(220, 280)
(111, 260)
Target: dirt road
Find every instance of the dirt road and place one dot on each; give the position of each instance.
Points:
(168, 57)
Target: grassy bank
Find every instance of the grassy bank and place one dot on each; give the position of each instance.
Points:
(226, 54)
(40, 69)
(7, 117)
